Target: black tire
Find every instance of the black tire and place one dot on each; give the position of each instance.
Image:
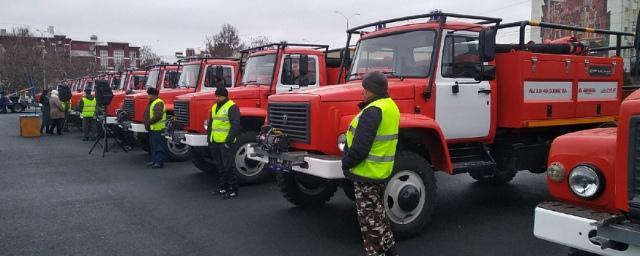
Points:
(202, 160)
(247, 170)
(576, 252)
(305, 190)
(410, 195)
(17, 108)
(177, 152)
(495, 177)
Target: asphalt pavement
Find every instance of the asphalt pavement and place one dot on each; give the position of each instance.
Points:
(56, 199)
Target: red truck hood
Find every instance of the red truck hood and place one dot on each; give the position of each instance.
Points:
(244, 92)
(352, 91)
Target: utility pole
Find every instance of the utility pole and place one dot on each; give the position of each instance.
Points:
(345, 17)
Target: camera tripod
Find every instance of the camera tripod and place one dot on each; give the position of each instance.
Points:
(103, 137)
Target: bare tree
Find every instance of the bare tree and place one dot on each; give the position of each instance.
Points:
(226, 43)
(256, 41)
(148, 56)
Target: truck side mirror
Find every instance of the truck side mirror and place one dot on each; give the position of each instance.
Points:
(487, 45)
(304, 70)
(219, 78)
(485, 72)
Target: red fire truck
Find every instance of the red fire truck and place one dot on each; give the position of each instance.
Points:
(467, 106)
(129, 82)
(188, 82)
(269, 69)
(595, 176)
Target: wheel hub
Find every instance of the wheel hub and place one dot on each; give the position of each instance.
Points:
(409, 198)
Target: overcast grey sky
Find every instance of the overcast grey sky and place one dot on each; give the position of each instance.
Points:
(169, 26)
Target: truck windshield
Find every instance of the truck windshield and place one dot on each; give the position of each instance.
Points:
(189, 76)
(123, 80)
(404, 55)
(152, 81)
(259, 69)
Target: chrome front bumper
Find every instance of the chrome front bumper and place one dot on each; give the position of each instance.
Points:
(112, 120)
(328, 167)
(577, 228)
(136, 127)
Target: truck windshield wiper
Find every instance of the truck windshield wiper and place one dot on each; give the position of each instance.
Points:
(392, 74)
(355, 74)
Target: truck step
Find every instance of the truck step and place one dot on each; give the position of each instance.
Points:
(462, 167)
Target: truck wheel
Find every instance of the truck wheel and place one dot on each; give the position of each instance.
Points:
(410, 195)
(248, 171)
(177, 152)
(495, 177)
(305, 190)
(17, 108)
(202, 160)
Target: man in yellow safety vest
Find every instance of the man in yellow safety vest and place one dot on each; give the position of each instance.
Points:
(368, 161)
(223, 127)
(87, 109)
(155, 118)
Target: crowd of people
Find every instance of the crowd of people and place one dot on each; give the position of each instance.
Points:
(55, 114)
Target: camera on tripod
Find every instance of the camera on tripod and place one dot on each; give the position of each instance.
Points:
(104, 95)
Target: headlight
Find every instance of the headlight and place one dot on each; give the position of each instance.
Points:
(342, 142)
(555, 172)
(585, 181)
(206, 125)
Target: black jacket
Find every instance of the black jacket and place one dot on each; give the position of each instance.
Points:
(363, 140)
(234, 119)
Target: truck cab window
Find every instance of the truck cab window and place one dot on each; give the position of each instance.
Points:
(403, 54)
(170, 79)
(189, 76)
(211, 81)
(460, 56)
(293, 76)
(152, 82)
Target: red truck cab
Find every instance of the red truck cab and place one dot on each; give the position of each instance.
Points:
(594, 174)
(267, 70)
(128, 82)
(467, 105)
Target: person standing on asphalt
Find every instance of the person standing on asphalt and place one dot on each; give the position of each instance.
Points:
(368, 161)
(45, 112)
(87, 109)
(223, 127)
(155, 118)
(3, 102)
(57, 112)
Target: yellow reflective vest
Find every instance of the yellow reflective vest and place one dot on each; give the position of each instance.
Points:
(379, 163)
(160, 125)
(220, 125)
(88, 107)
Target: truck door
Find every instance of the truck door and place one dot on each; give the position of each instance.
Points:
(292, 79)
(463, 105)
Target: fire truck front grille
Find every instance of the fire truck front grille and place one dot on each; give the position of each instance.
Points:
(634, 166)
(181, 112)
(292, 118)
(128, 107)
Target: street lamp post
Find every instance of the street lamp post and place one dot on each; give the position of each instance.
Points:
(346, 18)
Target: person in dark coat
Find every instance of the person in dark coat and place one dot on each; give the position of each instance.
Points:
(46, 113)
(222, 136)
(3, 102)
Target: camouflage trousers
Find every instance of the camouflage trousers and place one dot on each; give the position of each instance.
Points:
(374, 224)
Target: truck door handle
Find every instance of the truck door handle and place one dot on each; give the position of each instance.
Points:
(485, 91)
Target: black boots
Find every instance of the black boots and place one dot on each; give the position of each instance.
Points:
(391, 252)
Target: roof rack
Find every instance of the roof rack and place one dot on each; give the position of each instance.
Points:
(436, 15)
(523, 24)
(284, 45)
(206, 58)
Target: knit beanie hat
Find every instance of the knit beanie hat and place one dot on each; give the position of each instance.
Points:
(375, 82)
(222, 91)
